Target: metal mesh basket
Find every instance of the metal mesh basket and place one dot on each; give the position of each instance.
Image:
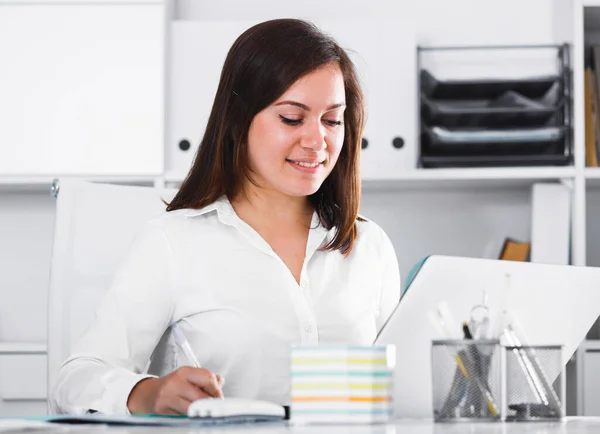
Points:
(534, 383)
(466, 380)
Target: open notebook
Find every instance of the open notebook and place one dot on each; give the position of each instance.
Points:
(202, 412)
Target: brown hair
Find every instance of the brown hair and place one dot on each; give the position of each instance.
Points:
(261, 65)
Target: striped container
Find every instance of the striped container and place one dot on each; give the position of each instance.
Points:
(342, 383)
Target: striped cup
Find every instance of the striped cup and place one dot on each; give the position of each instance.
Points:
(341, 383)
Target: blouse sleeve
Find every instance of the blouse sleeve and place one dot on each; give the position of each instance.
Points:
(111, 356)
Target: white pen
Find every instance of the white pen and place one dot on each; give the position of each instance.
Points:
(184, 345)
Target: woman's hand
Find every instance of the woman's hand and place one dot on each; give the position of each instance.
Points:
(172, 394)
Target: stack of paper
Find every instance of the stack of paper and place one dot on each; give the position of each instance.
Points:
(342, 383)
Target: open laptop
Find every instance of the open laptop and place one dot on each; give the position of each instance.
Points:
(554, 304)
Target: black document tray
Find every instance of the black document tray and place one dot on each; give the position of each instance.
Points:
(435, 145)
(433, 88)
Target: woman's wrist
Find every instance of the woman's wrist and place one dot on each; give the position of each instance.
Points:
(140, 397)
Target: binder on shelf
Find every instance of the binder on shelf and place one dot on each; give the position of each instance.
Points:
(505, 121)
(592, 104)
(514, 250)
(591, 119)
(550, 223)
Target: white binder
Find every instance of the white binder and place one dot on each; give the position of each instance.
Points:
(550, 223)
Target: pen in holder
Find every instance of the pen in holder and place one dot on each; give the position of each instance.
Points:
(534, 383)
(535, 377)
(466, 380)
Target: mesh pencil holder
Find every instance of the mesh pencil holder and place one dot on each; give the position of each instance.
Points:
(466, 380)
(534, 383)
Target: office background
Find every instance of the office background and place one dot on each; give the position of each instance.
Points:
(454, 211)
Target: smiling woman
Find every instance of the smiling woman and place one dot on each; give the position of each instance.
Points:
(261, 248)
(291, 72)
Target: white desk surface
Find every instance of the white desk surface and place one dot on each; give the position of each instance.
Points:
(578, 425)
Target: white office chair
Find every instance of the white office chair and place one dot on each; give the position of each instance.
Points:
(95, 225)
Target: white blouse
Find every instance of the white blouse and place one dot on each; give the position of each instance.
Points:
(235, 300)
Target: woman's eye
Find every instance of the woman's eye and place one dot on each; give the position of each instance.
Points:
(289, 121)
(294, 122)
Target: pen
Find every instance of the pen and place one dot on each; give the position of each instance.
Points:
(184, 345)
(467, 331)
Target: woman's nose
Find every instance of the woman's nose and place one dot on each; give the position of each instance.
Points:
(314, 138)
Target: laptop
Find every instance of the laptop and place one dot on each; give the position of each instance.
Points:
(554, 304)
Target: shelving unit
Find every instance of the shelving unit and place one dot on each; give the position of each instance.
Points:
(585, 29)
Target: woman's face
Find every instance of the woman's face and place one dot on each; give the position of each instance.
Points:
(295, 142)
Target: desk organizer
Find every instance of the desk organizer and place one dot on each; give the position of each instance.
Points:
(494, 113)
(534, 383)
(342, 384)
(466, 380)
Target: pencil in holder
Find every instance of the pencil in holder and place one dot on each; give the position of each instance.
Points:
(535, 383)
(466, 380)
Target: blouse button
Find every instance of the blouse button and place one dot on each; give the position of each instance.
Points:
(308, 328)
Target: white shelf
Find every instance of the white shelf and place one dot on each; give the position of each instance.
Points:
(591, 345)
(174, 176)
(590, 3)
(495, 173)
(592, 176)
(433, 177)
(81, 2)
(39, 183)
(592, 173)
(471, 178)
(22, 348)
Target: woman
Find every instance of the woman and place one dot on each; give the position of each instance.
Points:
(261, 248)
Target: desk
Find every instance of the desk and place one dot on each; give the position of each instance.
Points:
(578, 425)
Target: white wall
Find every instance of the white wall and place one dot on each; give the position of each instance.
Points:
(462, 221)
(448, 22)
(483, 22)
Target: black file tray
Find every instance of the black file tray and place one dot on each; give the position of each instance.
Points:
(535, 87)
(459, 141)
(481, 122)
(509, 109)
(438, 151)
